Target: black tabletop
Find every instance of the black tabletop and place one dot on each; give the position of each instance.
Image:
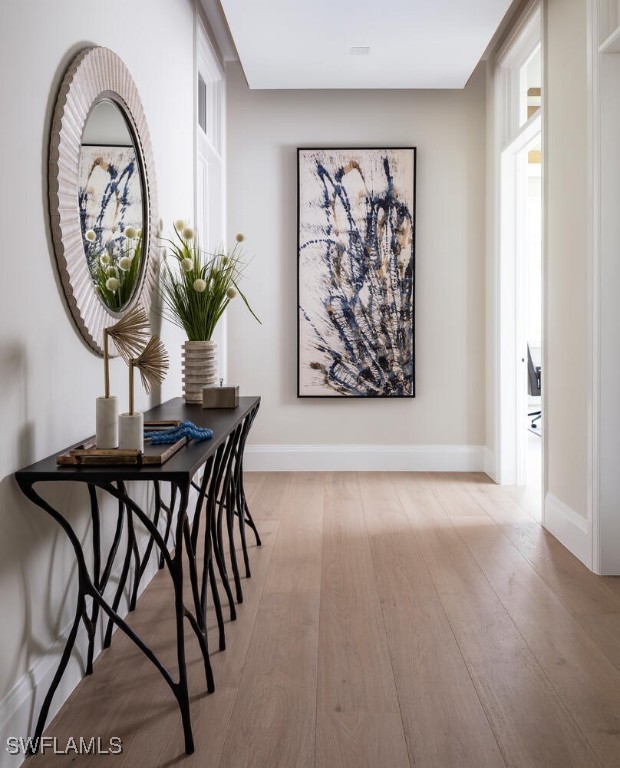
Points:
(179, 467)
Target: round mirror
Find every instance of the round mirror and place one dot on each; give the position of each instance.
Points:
(110, 197)
(102, 192)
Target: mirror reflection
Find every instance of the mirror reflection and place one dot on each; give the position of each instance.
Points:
(110, 198)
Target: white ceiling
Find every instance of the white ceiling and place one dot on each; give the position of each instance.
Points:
(413, 43)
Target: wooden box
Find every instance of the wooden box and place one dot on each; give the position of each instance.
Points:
(220, 397)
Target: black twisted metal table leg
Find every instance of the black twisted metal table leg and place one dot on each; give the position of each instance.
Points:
(226, 502)
(238, 493)
(169, 512)
(198, 625)
(211, 519)
(91, 625)
(208, 573)
(125, 570)
(86, 588)
(243, 509)
(64, 660)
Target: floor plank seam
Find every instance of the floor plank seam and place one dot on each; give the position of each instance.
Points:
(410, 757)
(502, 751)
(245, 657)
(318, 645)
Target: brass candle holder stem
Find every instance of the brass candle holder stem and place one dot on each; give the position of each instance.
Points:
(131, 401)
(106, 363)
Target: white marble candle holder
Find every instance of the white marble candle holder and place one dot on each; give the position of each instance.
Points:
(107, 422)
(131, 431)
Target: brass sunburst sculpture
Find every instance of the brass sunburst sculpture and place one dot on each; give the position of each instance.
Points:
(152, 363)
(129, 336)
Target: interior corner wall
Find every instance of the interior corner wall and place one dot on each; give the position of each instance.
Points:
(447, 417)
(565, 365)
(49, 379)
(491, 275)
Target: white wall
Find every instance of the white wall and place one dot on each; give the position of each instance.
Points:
(48, 378)
(565, 367)
(448, 128)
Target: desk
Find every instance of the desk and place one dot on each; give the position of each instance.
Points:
(220, 491)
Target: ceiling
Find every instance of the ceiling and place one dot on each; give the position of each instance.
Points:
(307, 43)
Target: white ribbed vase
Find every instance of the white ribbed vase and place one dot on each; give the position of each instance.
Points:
(199, 369)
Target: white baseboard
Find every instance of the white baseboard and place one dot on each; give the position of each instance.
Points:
(568, 527)
(19, 709)
(489, 464)
(364, 458)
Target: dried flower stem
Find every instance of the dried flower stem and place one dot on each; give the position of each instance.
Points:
(152, 364)
(129, 336)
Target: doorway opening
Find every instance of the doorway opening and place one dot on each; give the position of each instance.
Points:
(519, 339)
(529, 473)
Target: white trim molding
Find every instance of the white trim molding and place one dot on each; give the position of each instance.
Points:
(569, 528)
(490, 466)
(365, 458)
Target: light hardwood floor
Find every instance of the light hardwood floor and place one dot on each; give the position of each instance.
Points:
(391, 620)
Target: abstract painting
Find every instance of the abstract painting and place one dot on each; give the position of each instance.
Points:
(109, 195)
(356, 272)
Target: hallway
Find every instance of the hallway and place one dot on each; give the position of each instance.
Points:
(391, 620)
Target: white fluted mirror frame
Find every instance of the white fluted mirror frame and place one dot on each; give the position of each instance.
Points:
(96, 73)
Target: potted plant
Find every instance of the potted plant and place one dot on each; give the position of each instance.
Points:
(196, 288)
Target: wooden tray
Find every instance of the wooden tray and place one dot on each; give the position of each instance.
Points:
(87, 453)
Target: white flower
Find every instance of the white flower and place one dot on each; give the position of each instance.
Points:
(90, 235)
(139, 232)
(199, 285)
(111, 272)
(124, 262)
(179, 225)
(112, 284)
(231, 293)
(188, 233)
(187, 265)
(239, 238)
(105, 259)
(131, 232)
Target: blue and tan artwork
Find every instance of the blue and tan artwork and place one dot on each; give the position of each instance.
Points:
(356, 272)
(109, 196)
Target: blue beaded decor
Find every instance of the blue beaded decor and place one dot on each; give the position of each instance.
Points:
(185, 429)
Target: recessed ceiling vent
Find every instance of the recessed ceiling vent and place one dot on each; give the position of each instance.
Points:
(360, 50)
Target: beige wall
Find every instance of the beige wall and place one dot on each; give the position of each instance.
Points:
(48, 378)
(448, 128)
(566, 194)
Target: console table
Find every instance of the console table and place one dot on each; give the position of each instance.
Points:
(220, 495)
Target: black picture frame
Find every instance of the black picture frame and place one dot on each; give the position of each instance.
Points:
(346, 330)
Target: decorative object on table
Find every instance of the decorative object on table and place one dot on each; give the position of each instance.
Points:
(87, 454)
(185, 429)
(220, 397)
(152, 364)
(199, 368)
(356, 252)
(129, 335)
(196, 288)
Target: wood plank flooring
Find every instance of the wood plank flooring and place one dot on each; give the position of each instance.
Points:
(392, 620)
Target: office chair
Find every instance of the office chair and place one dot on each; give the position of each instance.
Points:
(533, 385)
